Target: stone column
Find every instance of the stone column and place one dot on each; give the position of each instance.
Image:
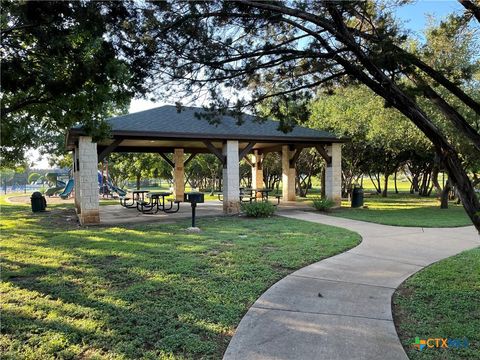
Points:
(231, 178)
(178, 175)
(76, 179)
(87, 181)
(257, 172)
(288, 175)
(333, 174)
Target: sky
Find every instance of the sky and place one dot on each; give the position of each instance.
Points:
(414, 16)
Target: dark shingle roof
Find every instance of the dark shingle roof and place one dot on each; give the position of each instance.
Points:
(166, 119)
(167, 122)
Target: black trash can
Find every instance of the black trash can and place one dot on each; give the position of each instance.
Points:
(38, 202)
(357, 197)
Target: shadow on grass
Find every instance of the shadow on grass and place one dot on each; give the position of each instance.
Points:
(148, 290)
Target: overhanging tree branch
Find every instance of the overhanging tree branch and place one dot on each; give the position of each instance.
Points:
(473, 8)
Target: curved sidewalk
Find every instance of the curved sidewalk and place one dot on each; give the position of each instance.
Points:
(340, 307)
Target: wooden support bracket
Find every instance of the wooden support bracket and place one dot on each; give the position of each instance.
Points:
(105, 152)
(324, 154)
(192, 155)
(216, 152)
(295, 157)
(248, 161)
(242, 153)
(169, 162)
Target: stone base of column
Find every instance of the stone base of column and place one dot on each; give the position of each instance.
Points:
(231, 207)
(89, 217)
(337, 201)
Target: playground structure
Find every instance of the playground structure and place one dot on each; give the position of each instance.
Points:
(59, 184)
(107, 188)
(65, 189)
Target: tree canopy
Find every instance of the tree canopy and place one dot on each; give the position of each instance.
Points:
(61, 67)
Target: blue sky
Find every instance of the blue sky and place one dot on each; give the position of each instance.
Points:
(415, 15)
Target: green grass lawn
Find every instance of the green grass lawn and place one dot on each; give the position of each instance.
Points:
(441, 301)
(146, 291)
(406, 210)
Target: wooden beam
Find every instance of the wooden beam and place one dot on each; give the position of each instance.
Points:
(294, 158)
(215, 152)
(270, 149)
(248, 160)
(323, 153)
(106, 151)
(154, 149)
(192, 155)
(245, 150)
(169, 162)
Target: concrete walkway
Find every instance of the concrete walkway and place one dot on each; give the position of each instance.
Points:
(340, 307)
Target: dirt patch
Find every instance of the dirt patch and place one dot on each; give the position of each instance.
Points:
(25, 199)
(59, 218)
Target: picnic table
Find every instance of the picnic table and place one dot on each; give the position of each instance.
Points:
(249, 194)
(157, 201)
(136, 196)
(263, 191)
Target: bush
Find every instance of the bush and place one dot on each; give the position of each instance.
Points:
(322, 204)
(258, 209)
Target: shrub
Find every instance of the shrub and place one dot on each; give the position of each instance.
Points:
(322, 204)
(258, 209)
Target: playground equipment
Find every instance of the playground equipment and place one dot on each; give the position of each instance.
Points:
(59, 185)
(107, 188)
(68, 189)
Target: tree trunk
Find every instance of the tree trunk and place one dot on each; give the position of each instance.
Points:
(322, 182)
(415, 181)
(444, 195)
(139, 176)
(376, 183)
(385, 185)
(435, 182)
(395, 181)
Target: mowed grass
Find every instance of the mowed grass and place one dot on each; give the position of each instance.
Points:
(141, 292)
(441, 301)
(406, 210)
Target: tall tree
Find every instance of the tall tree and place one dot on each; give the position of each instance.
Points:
(381, 139)
(61, 67)
(299, 46)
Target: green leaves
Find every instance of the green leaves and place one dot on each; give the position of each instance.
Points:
(59, 68)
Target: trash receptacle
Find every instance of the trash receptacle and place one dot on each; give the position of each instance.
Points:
(357, 197)
(38, 202)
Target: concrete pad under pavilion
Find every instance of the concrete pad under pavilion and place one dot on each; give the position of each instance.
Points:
(117, 214)
(165, 130)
